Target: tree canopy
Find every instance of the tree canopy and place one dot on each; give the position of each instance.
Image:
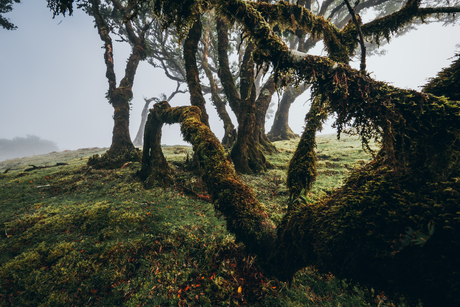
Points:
(5, 7)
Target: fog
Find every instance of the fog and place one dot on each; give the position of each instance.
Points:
(53, 83)
(25, 146)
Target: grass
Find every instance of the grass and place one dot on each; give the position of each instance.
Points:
(73, 236)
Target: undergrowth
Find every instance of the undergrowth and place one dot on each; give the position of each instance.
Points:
(75, 236)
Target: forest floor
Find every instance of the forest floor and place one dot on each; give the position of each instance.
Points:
(74, 236)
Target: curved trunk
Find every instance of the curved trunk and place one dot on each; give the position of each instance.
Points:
(357, 230)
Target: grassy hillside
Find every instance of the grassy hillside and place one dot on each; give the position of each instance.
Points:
(74, 236)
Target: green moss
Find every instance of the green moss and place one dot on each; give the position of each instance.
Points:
(114, 160)
(303, 165)
(447, 82)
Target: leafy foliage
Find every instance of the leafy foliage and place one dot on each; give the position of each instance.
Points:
(5, 7)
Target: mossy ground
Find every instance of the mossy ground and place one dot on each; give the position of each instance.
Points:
(74, 236)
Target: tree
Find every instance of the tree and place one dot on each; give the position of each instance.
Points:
(357, 229)
(337, 13)
(115, 17)
(5, 7)
(410, 186)
(211, 55)
(138, 141)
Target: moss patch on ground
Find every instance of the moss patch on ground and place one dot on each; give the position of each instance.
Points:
(75, 236)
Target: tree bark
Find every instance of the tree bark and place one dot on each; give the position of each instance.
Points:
(138, 141)
(193, 81)
(412, 182)
(225, 75)
(122, 148)
(155, 169)
(262, 104)
(247, 153)
(280, 129)
(229, 129)
(302, 170)
(359, 229)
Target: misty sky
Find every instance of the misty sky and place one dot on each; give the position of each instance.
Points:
(53, 84)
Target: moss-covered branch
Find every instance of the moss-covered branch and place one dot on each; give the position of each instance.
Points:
(103, 30)
(386, 26)
(246, 217)
(302, 167)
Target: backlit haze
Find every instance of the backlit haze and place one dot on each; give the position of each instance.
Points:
(53, 84)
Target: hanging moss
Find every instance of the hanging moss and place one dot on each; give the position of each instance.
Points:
(356, 234)
(360, 228)
(368, 230)
(302, 167)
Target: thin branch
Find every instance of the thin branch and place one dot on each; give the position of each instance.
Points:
(360, 33)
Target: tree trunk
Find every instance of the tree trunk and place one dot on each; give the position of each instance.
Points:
(247, 153)
(280, 129)
(122, 149)
(155, 169)
(262, 104)
(360, 228)
(193, 81)
(229, 129)
(121, 139)
(224, 72)
(138, 141)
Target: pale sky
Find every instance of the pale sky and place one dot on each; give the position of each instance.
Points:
(53, 84)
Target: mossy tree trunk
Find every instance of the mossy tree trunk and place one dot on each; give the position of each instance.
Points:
(412, 184)
(121, 139)
(302, 171)
(360, 228)
(192, 73)
(224, 72)
(247, 154)
(122, 149)
(262, 104)
(155, 169)
(229, 129)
